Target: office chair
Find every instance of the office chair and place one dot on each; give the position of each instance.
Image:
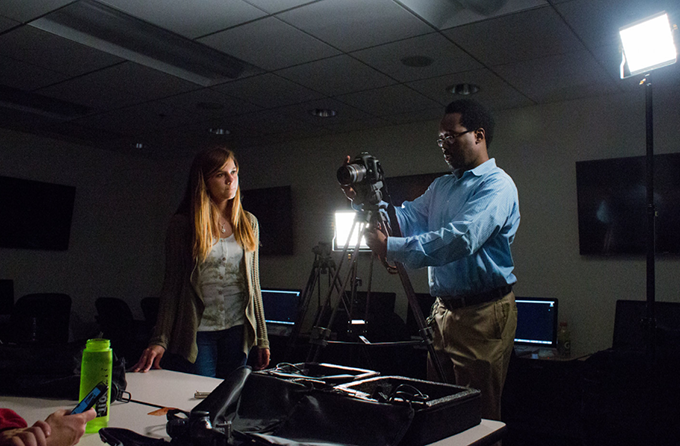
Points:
(150, 310)
(116, 322)
(41, 318)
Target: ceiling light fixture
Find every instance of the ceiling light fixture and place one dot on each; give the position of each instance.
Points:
(107, 29)
(647, 45)
(323, 112)
(463, 89)
(218, 131)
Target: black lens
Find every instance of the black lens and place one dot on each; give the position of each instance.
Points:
(351, 174)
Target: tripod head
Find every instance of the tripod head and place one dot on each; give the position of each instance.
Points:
(322, 258)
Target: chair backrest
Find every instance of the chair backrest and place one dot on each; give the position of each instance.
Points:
(41, 318)
(114, 317)
(150, 309)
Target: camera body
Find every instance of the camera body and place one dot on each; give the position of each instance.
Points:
(365, 175)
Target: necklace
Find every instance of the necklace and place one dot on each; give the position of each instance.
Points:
(223, 228)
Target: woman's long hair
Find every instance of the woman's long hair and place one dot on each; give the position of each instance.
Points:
(201, 210)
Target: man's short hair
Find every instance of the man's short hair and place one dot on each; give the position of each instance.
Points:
(473, 115)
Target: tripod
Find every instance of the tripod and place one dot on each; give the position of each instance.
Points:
(319, 336)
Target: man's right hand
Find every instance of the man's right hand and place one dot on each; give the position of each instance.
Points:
(151, 356)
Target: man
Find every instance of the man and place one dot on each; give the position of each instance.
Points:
(461, 228)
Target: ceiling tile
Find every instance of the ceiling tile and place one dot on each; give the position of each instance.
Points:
(25, 10)
(26, 76)
(269, 122)
(209, 103)
(6, 24)
(137, 119)
(522, 36)
(268, 90)
(356, 24)
(193, 18)
(336, 75)
(269, 44)
(446, 57)
(391, 100)
(274, 6)
(361, 124)
(444, 14)
(558, 78)
(93, 91)
(428, 114)
(53, 52)
(343, 111)
(141, 81)
(494, 92)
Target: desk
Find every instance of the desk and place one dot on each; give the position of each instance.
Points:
(173, 389)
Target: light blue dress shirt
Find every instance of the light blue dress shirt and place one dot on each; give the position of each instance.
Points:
(461, 229)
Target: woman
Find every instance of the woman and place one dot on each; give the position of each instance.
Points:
(211, 312)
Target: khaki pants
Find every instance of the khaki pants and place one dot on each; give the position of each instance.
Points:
(474, 345)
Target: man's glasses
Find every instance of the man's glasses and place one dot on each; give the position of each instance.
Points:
(449, 138)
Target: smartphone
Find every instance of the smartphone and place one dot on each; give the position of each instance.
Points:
(91, 398)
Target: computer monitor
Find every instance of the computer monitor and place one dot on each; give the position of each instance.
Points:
(536, 322)
(629, 329)
(280, 310)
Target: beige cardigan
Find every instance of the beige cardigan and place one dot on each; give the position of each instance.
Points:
(181, 303)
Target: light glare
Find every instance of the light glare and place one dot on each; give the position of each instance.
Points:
(343, 226)
(648, 44)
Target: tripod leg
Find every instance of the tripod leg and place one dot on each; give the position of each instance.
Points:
(304, 306)
(425, 331)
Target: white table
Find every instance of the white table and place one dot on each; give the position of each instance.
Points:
(176, 390)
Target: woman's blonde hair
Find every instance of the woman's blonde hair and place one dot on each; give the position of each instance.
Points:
(201, 210)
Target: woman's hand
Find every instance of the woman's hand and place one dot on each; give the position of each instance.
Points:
(151, 356)
(68, 429)
(262, 359)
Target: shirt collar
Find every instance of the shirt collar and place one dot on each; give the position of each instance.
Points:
(478, 171)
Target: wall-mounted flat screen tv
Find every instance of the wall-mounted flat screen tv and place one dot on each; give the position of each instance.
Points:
(35, 215)
(612, 205)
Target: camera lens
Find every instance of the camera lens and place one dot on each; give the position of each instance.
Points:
(351, 174)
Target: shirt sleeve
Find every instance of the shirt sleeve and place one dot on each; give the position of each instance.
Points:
(482, 216)
(9, 419)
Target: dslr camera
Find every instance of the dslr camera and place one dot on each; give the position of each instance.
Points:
(365, 175)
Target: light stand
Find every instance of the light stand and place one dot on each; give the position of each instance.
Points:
(648, 45)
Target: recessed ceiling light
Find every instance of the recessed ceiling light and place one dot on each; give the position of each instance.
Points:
(218, 131)
(323, 112)
(463, 89)
(417, 61)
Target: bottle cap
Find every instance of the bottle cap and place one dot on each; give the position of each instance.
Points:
(98, 344)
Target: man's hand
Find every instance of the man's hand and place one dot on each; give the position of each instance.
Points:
(151, 356)
(376, 240)
(349, 191)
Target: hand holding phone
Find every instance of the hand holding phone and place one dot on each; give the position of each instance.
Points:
(90, 399)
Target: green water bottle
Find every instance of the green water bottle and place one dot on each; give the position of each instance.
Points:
(97, 368)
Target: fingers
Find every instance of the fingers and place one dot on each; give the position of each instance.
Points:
(151, 357)
(89, 414)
